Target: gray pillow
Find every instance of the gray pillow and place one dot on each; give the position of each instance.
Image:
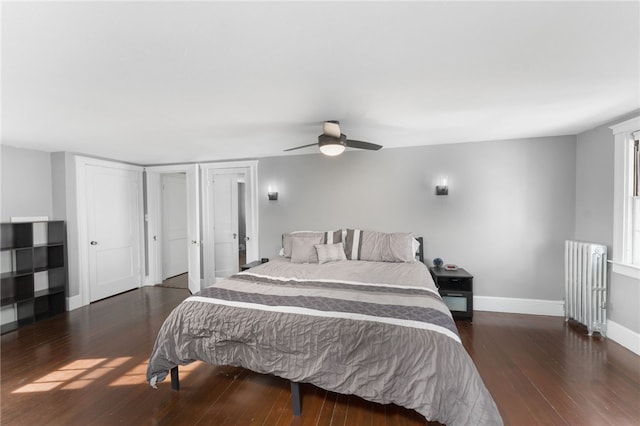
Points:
(287, 239)
(329, 237)
(379, 246)
(330, 252)
(400, 248)
(303, 248)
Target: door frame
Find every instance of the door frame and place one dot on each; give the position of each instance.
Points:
(154, 219)
(81, 164)
(251, 208)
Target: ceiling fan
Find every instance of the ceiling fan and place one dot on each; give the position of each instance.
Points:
(333, 142)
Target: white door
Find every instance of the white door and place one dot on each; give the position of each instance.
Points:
(225, 224)
(113, 230)
(174, 225)
(193, 228)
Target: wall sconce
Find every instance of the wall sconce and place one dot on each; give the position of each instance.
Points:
(273, 195)
(442, 187)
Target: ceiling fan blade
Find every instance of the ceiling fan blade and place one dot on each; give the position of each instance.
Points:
(331, 128)
(300, 147)
(363, 145)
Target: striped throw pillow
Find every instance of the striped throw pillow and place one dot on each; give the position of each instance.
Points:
(379, 246)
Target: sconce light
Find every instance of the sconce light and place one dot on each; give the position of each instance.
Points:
(441, 186)
(273, 195)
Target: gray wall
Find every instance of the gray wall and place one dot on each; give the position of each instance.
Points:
(594, 186)
(594, 215)
(511, 204)
(63, 177)
(509, 209)
(26, 183)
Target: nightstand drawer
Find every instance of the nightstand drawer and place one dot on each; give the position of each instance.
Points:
(455, 283)
(460, 303)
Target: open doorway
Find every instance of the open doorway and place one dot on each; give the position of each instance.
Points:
(230, 218)
(226, 231)
(174, 236)
(173, 226)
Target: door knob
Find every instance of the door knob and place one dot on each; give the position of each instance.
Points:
(235, 235)
(94, 243)
(247, 238)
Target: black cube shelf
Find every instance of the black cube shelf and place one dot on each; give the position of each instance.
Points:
(26, 260)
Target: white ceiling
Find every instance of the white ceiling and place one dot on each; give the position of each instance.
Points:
(165, 82)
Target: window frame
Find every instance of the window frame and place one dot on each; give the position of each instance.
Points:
(623, 198)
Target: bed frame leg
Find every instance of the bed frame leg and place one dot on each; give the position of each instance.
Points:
(175, 380)
(295, 398)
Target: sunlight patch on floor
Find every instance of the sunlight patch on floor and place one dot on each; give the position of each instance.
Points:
(134, 376)
(81, 373)
(185, 370)
(75, 375)
(138, 374)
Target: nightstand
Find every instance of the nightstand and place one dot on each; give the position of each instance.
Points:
(456, 289)
(250, 265)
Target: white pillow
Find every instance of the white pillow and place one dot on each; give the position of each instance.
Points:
(415, 245)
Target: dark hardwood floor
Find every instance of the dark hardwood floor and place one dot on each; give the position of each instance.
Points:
(87, 367)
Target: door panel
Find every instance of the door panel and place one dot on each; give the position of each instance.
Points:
(174, 225)
(225, 224)
(113, 231)
(106, 259)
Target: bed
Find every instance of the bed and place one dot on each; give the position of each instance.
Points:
(375, 329)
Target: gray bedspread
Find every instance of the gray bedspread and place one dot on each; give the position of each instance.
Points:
(372, 329)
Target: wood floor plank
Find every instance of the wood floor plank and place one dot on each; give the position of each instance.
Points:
(87, 367)
(326, 412)
(359, 412)
(281, 405)
(341, 407)
(255, 396)
(312, 402)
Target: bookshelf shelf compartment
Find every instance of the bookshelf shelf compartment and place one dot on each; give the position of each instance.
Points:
(33, 299)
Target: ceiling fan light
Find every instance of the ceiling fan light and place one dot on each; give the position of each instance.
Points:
(332, 146)
(332, 149)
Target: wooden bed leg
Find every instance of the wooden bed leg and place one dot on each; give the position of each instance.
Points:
(295, 398)
(175, 380)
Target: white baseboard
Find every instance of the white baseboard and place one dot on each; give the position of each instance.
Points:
(519, 306)
(616, 332)
(22, 219)
(623, 336)
(197, 283)
(74, 302)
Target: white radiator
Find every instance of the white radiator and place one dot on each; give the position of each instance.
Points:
(585, 285)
